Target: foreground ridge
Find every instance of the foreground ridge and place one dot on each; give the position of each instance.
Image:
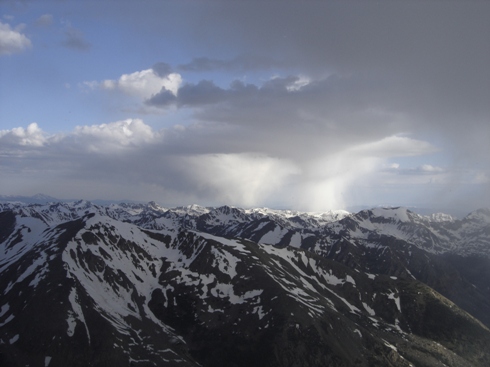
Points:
(141, 285)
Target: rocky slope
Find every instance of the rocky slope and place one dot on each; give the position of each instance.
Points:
(141, 285)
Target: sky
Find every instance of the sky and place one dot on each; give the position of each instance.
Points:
(311, 105)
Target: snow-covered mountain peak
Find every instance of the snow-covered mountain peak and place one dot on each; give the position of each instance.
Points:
(298, 218)
(437, 233)
(152, 205)
(439, 217)
(192, 210)
(331, 215)
(381, 216)
(399, 214)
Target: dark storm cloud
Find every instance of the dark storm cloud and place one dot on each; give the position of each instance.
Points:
(431, 57)
(425, 61)
(354, 35)
(203, 93)
(421, 50)
(323, 115)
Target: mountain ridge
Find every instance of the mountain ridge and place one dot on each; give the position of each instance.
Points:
(46, 199)
(134, 284)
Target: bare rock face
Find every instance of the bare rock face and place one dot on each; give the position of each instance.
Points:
(140, 285)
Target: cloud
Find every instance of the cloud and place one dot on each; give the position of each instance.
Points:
(428, 168)
(391, 166)
(321, 95)
(142, 84)
(239, 179)
(375, 70)
(322, 114)
(45, 20)
(330, 181)
(299, 83)
(162, 69)
(32, 136)
(424, 60)
(203, 93)
(130, 154)
(422, 170)
(187, 163)
(74, 39)
(274, 90)
(109, 138)
(398, 146)
(12, 40)
(114, 136)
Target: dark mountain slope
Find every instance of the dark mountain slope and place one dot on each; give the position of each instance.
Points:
(95, 290)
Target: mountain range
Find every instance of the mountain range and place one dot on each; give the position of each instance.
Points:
(132, 284)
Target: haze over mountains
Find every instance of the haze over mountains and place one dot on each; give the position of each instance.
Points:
(140, 285)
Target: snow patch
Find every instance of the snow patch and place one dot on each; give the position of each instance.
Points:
(296, 240)
(225, 261)
(368, 309)
(10, 318)
(400, 213)
(259, 311)
(222, 290)
(349, 279)
(390, 345)
(232, 243)
(4, 309)
(272, 237)
(396, 299)
(332, 279)
(72, 322)
(77, 309)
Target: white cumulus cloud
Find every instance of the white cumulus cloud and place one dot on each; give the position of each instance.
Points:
(143, 84)
(31, 136)
(119, 134)
(12, 40)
